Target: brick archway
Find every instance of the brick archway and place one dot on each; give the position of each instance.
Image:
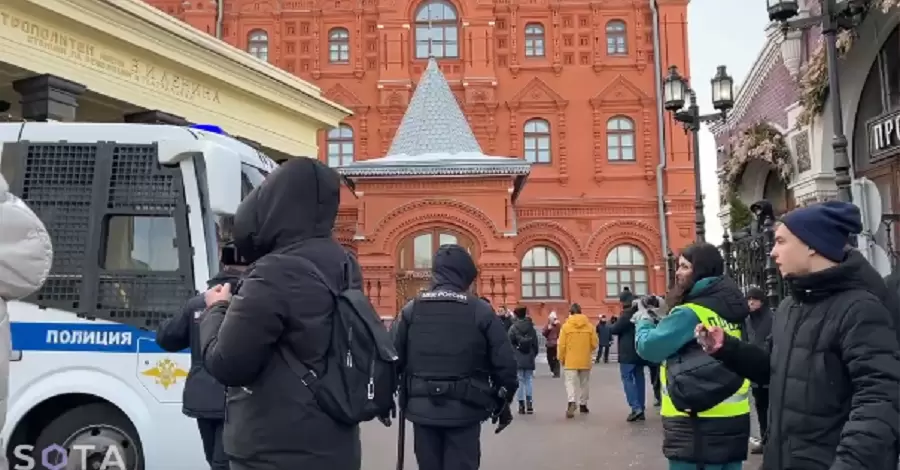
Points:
(418, 215)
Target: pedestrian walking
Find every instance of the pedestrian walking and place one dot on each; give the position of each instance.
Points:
(605, 337)
(458, 365)
(701, 430)
(631, 365)
(577, 342)
(551, 334)
(523, 337)
(831, 362)
(757, 328)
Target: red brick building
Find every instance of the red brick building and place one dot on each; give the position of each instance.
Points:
(563, 86)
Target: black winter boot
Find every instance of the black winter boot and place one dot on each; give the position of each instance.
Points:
(529, 406)
(521, 407)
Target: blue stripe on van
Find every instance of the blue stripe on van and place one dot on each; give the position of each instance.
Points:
(82, 337)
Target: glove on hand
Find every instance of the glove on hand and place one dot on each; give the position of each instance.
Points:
(392, 414)
(502, 419)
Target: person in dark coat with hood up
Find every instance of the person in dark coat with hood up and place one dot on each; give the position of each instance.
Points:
(832, 363)
(273, 421)
(204, 396)
(458, 365)
(523, 337)
(757, 329)
(716, 438)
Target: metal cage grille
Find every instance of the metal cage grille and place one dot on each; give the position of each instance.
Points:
(75, 189)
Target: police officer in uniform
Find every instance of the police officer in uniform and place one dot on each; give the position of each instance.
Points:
(457, 364)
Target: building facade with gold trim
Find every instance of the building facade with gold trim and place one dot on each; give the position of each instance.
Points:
(122, 60)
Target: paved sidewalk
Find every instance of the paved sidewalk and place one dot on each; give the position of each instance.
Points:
(547, 440)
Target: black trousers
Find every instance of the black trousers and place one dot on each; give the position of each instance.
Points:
(603, 353)
(211, 435)
(447, 448)
(552, 360)
(761, 398)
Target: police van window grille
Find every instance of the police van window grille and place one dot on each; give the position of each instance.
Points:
(140, 185)
(57, 184)
(140, 300)
(138, 182)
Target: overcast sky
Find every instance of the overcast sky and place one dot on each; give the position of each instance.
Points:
(721, 32)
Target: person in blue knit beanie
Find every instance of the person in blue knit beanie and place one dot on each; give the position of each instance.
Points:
(825, 228)
(831, 361)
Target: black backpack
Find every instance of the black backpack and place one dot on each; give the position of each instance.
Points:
(360, 377)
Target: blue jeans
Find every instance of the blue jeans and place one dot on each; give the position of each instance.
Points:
(525, 377)
(633, 382)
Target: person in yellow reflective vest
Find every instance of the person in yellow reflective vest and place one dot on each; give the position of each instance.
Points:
(717, 437)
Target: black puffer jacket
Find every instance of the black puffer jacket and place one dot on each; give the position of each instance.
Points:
(833, 373)
(273, 420)
(204, 396)
(524, 341)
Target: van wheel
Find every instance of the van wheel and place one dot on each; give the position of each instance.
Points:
(98, 425)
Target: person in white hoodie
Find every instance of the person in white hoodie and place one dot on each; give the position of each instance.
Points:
(26, 255)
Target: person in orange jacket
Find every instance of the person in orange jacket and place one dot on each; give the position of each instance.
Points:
(577, 343)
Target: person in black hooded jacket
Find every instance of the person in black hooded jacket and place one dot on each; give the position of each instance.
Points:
(273, 421)
(523, 337)
(204, 396)
(457, 364)
(832, 362)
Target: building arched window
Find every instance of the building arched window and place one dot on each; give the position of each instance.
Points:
(339, 46)
(626, 266)
(620, 139)
(258, 44)
(542, 274)
(437, 30)
(340, 146)
(537, 141)
(534, 40)
(616, 43)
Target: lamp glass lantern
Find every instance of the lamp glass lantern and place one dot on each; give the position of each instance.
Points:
(782, 10)
(722, 90)
(675, 89)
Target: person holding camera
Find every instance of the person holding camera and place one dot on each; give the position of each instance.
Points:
(282, 314)
(203, 397)
(705, 407)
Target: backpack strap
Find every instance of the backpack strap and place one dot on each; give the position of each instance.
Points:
(307, 375)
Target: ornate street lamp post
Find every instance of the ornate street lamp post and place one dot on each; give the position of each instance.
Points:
(677, 91)
(836, 14)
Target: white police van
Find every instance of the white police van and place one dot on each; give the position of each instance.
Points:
(133, 211)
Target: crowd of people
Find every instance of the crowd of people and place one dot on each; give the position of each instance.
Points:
(278, 383)
(824, 367)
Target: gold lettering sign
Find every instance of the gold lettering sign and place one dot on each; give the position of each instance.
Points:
(93, 56)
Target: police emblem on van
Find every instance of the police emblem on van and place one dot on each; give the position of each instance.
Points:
(166, 373)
